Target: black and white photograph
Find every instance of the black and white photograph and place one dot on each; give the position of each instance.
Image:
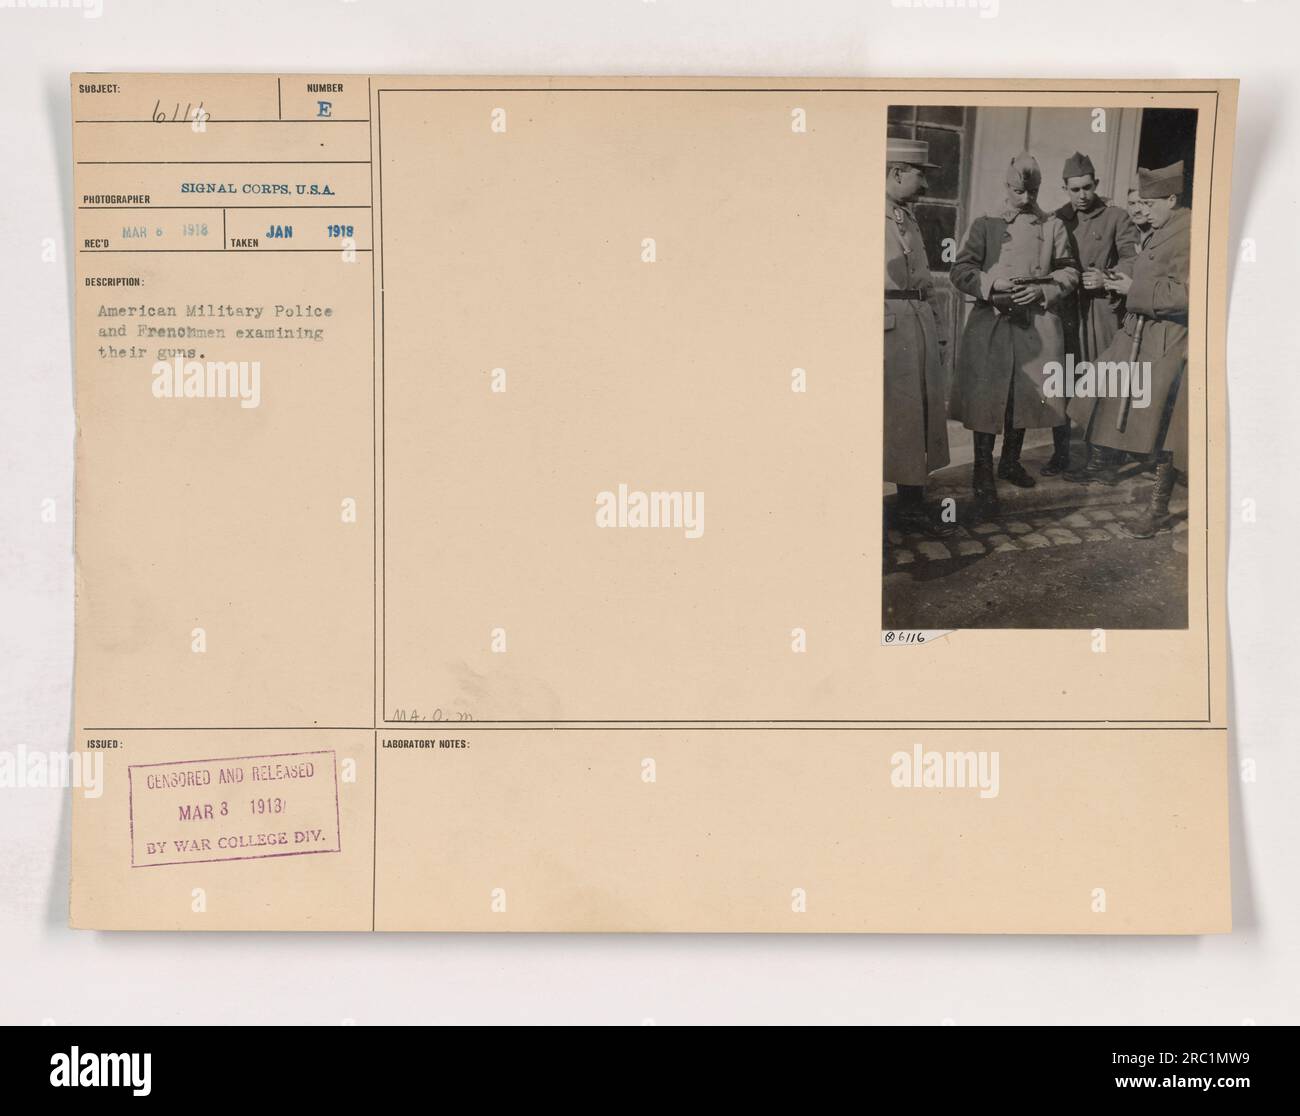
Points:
(439, 538)
(1037, 273)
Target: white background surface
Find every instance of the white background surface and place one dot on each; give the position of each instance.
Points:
(53, 973)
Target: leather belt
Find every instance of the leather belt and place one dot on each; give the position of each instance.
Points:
(907, 296)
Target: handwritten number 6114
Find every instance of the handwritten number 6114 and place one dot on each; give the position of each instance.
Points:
(160, 114)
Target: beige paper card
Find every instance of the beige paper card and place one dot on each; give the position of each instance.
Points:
(651, 504)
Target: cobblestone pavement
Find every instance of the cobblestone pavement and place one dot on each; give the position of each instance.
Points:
(1054, 557)
(1071, 526)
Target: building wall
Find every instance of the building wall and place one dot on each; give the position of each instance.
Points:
(1051, 135)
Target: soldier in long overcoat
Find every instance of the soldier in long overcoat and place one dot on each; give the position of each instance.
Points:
(1018, 267)
(916, 432)
(1100, 236)
(1154, 285)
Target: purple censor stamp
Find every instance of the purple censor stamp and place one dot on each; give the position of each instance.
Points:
(241, 808)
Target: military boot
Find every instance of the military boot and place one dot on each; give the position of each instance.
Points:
(1100, 466)
(1156, 512)
(1059, 462)
(983, 485)
(1009, 467)
(911, 514)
